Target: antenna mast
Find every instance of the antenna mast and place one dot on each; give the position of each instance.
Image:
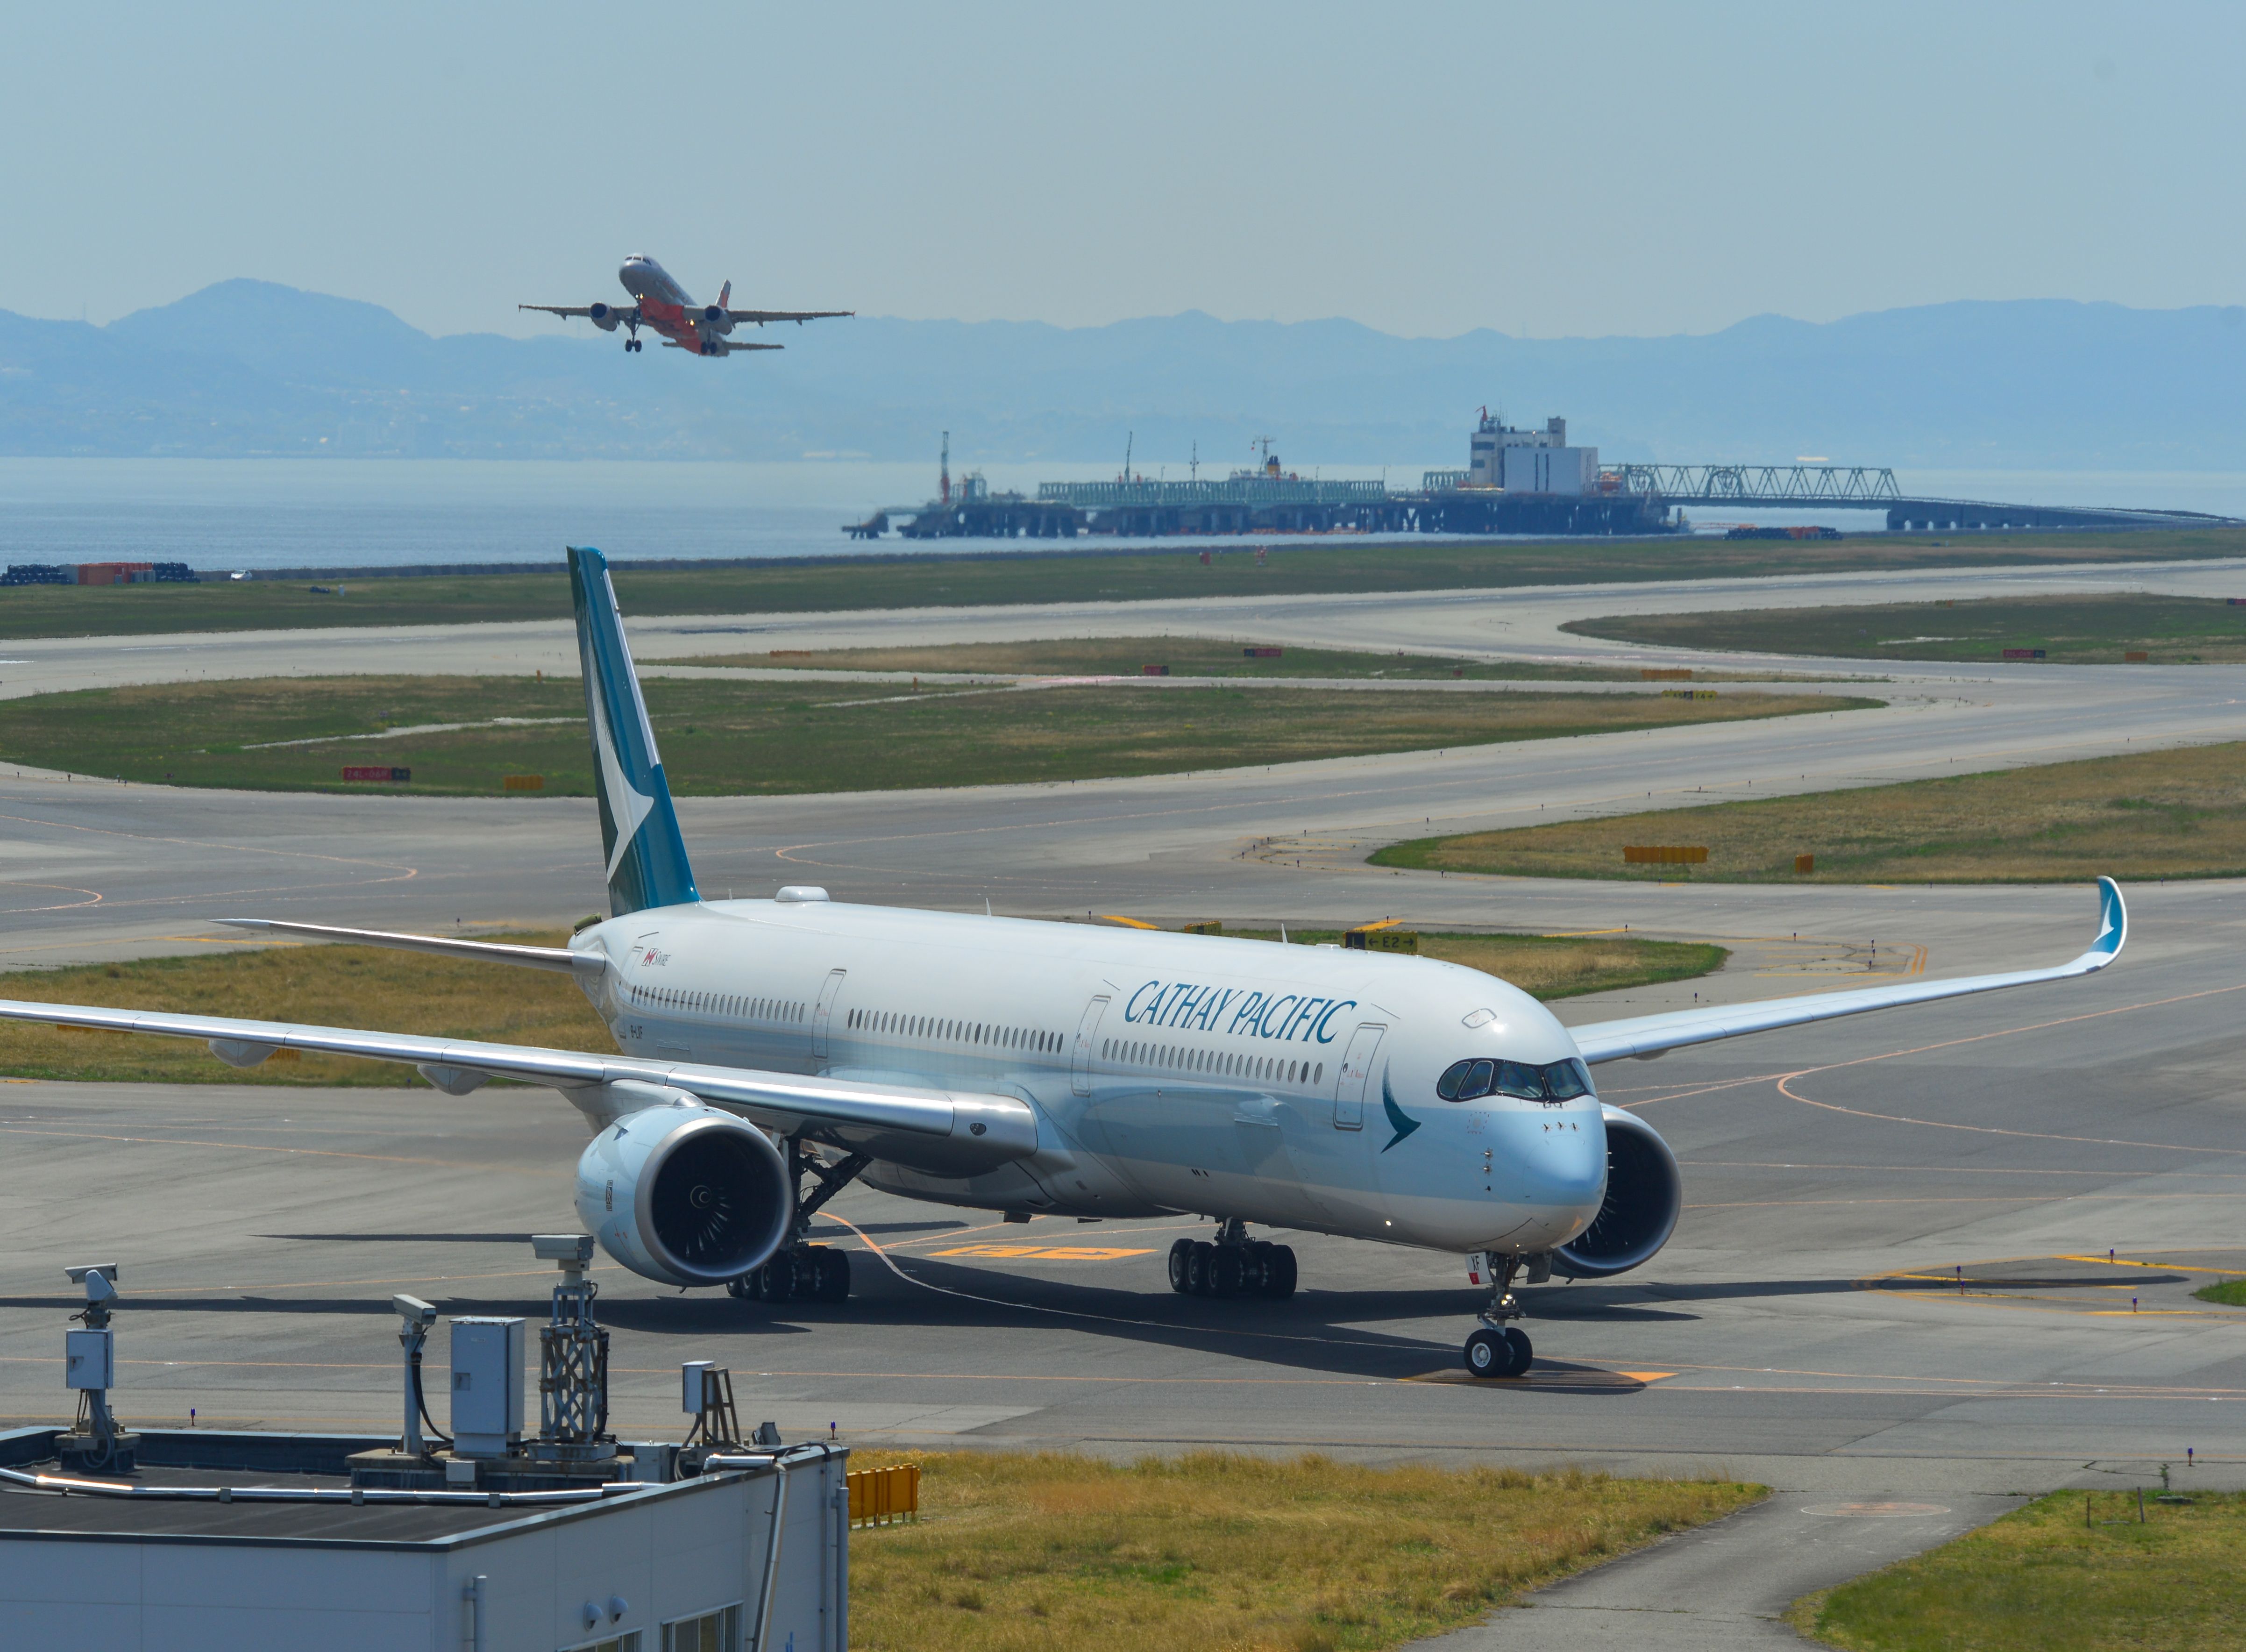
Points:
(1196, 459)
(1129, 436)
(943, 476)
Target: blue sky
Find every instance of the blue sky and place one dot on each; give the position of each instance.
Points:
(1546, 170)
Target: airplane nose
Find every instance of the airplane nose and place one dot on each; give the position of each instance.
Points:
(1563, 1168)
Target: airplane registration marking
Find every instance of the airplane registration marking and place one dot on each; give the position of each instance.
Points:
(1046, 1254)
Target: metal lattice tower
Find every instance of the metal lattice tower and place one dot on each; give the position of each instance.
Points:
(573, 1361)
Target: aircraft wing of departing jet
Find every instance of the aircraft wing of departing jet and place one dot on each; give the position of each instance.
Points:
(621, 311)
(760, 317)
(961, 1132)
(1644, 1036)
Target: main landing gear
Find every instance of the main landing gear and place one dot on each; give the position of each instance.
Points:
(1233, 1266)
(631, 345)
(800, 1270)
(1499, 1349)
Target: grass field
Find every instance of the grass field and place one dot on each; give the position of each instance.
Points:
(1549, 966)
(362, 986)
(368, 987)
(2089, 629)
(1127, 656)
(1016, 1552)
(924, 580)
(2043, 1580)
(2168, 814)
(2228, 1293)
(727, 738)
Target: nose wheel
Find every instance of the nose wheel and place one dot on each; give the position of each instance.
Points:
(1493, 1352)
(1500, 1348)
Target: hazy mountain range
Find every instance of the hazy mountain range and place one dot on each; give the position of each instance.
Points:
(247, 367)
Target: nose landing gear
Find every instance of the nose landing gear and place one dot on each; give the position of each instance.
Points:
(1233, 1266)
(1500, 1348)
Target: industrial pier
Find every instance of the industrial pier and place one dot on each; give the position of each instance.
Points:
(1516, 481)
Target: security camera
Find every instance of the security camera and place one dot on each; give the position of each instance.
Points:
(100, 1279)
(562, 1247)
(413, 1310)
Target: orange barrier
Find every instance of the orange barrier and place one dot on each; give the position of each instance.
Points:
(884, 1496)
(1638, 855)
(525, 782)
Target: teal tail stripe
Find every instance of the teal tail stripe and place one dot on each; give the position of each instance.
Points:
(646, 856)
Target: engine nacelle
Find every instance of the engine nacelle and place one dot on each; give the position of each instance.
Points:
(603, 316)
(1645, 1194)
(715, 315)
(684, 1194)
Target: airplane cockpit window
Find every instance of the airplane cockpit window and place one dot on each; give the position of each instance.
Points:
(1470, 1080)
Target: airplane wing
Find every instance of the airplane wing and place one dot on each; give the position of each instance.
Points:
(760, 317)
(622, 312)
(946, 1131)
(1648, 1035)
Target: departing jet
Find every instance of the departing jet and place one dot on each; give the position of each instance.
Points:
(664, 308)
(775, 1050)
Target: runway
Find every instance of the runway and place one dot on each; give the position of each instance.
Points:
(1891, 1285)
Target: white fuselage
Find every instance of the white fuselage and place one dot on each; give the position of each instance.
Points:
(1171, 1073)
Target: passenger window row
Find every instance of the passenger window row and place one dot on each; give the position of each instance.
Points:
(754, 1009)
(897, 1024)
(1181, 1058)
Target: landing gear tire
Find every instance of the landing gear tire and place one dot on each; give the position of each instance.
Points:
(833, 1274)
(1230, 1273)
(1487, 1353)
(1523, 1352)
(1180, 1255)
(1278, 1272)
(1201, 1263)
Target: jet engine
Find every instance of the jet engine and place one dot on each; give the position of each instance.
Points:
(684, 1194)
(714, 314)
(603, 316)
(1645, 1193)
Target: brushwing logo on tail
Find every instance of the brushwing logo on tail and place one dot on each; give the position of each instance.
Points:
(627, 801)
(1398, 1121)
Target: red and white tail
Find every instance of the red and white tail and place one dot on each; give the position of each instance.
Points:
(725, 296)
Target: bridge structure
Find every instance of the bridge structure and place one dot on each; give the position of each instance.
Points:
(1865, 487)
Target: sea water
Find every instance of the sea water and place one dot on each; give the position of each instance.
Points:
(251, 514)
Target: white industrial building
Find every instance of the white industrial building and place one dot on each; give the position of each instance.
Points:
(690, 1566)
(1531, 462)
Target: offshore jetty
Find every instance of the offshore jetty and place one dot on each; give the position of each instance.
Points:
(1516, 481)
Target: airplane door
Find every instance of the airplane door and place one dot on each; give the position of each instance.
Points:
(825, 1011)
(1349, 1082)
(1088, 1032)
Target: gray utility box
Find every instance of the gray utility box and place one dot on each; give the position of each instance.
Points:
(486, 1386)
(89, 1359)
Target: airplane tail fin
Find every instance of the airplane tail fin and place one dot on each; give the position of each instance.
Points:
(639, 829)
(725, 294)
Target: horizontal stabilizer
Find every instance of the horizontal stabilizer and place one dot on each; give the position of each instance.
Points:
(587, 965)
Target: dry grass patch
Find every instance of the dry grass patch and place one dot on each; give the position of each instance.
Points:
(729, 738)
(2042, 1579)
(2169, 814)
(1549, 966)
(361, 986)
(1019, 1552)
